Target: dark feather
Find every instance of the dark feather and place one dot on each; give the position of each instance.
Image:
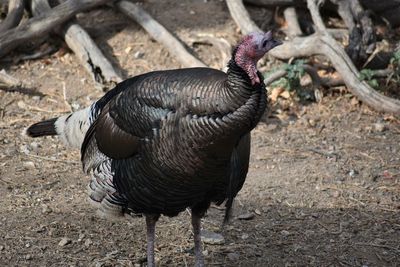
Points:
(42, 128)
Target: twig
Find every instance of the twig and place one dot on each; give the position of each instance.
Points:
(327, 154)
(358, 201)
(159, 33)
(274, 76)
(50, 159)
(378, 246)
(39, 26)
(14, 15)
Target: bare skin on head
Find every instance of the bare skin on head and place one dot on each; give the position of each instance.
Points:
(252, 48)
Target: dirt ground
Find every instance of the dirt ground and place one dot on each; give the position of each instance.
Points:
(323, 187)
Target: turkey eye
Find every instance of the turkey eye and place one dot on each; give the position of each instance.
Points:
(265, 43)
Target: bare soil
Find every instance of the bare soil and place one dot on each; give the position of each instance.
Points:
(323, 187)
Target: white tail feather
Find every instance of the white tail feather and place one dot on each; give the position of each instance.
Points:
(72, 127)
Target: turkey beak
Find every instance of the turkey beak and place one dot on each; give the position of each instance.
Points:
(275, 43)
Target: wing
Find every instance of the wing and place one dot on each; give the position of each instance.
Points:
(136, 111)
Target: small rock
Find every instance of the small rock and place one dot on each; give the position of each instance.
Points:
(379, 127)
(205, 253)
(28, 165)
(246, 216)
(128, 49)
(335, 194)
(233, 256)
(266, 209)
(212, 238)
(138, 54)
(81, 237)
(312, 122)
(21, 104)
(257, 211)
(46, 209)
(27, 245)
(88, 242)
(64, 241)
(245, 236)
(34, 146)
(28, 257)
(285, 233)
(1, 248)
(353, 173)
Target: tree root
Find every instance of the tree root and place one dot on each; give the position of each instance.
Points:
(321, 43)
(40, 26)
(159, 33)
(86, 50)
(14, 15)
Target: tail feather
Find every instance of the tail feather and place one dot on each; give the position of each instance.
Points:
(71, 128)
(42, 128)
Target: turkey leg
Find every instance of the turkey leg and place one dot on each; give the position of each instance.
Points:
(198, 251)
(151, 220)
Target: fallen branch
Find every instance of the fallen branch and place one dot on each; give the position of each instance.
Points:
(14, 15)
(361, 30)
(39, 26)
(159, 33)
(347, 70)
(90, 56)
(274, 76)
(293, 26)
(86, 50)
(322, 43)
(241, 16)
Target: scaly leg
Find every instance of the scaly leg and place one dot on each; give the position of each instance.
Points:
(198, 251)
(151, 220)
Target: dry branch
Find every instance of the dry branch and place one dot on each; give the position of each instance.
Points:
(274, 76)
(322, 43)
(241, 16)
(347, 70)
(14, 15)
(361, 31)
(293, 26)
(159, 33)
(86, 50)
(90, 56)
(39, 26)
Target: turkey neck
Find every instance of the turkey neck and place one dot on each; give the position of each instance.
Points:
(239, 81)
(252, 97)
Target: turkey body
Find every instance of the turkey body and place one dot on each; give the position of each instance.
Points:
(164, 141)
(174, 139)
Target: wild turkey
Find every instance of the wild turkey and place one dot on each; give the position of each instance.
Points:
(164, 141)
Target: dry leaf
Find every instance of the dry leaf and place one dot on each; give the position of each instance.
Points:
(275, 93)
